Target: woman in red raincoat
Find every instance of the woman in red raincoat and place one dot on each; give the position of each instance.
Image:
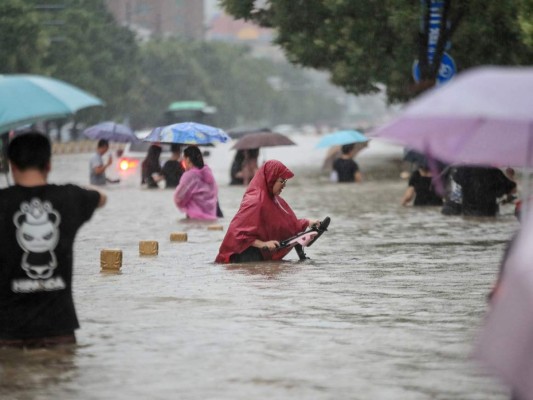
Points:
(263, 220)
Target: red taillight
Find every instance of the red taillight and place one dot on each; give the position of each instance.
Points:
(126, 164)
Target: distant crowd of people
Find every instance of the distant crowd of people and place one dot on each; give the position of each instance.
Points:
(464, 190)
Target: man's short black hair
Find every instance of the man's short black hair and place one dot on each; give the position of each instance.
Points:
(103, 143)
(347, 148)
(31, 150)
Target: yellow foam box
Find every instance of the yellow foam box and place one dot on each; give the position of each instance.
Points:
(178, 237)
(110, 259)
(148, 248)
(215, 228)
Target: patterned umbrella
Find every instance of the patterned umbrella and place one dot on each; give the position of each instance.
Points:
(187, 133)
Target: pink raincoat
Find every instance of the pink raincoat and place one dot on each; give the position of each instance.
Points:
(196, 194)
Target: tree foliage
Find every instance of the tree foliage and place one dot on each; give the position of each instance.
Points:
(227, 77)
(367, 43)
(21, 38)
(79, 42)
(89, 50)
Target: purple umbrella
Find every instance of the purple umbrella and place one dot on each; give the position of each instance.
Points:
(505, 344)
(484, 116)
(111, 131)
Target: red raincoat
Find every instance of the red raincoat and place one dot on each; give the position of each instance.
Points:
(262, 216)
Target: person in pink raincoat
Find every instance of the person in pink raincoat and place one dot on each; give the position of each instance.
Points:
(196, 194)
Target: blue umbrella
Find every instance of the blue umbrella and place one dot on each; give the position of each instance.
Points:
(187, 133)
(340, 138)
(111, 131)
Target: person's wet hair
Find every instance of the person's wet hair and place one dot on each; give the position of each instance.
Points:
(423, 165)
(154, 151)
(194, 154)
(175, 148)
(253, 153)
(239, 156)
(102, 143)
(30, 150)
(347, 148)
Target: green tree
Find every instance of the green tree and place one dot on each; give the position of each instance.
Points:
(227, 77)
(91, 51)
(77, 41)
(526, 21)
(365, 43)
(169, 73)
(22, 41)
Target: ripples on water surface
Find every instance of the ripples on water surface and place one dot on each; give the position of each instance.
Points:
(387, 307)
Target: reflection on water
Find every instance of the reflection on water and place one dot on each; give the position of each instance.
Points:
(387, 307)
(267, 269)
(30, 371)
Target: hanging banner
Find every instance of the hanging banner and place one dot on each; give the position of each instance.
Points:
(434, 27)
(447, 67)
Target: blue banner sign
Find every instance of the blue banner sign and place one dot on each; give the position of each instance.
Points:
(435, 23)
(447, 67)
(446, 72)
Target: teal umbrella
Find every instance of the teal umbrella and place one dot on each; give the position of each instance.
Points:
(25, 99)
(340, 138)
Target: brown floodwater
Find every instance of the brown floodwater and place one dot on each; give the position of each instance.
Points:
(387, 307)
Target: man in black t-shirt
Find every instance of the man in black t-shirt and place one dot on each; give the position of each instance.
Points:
(172, 169)
(345, 167)
(38, 224)
(420, 188)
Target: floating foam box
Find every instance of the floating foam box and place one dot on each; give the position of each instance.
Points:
(178, 237)
(148, 248)
(110, 259)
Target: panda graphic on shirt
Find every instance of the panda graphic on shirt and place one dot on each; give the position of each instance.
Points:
(38, 235)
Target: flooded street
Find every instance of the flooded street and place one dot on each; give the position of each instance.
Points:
(387, 307)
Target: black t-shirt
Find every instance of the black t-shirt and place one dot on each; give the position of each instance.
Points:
(425, 193)
(481, 187)
(346, 169)
(172, 171)
(37, 227)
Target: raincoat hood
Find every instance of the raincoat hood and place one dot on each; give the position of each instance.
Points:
(262, 216)
(205, 174)
(266, 176)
